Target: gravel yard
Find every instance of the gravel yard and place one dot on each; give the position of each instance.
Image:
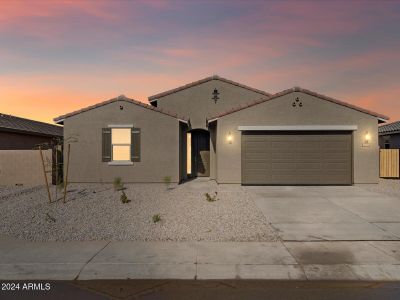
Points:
(95, 212)
(390, 187)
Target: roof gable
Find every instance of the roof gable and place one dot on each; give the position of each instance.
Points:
(12, 123)
(192, 84)
(382, 118)
(61, 118)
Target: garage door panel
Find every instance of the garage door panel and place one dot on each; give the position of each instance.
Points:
(297, 158)
(257, 155)
(281, 145)
(257, 165)
(282, 156)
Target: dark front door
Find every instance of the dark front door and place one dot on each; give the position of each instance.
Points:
(200, 153)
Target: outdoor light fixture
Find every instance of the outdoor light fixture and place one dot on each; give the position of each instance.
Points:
(215, 95)
(229, 138)
(367, 138)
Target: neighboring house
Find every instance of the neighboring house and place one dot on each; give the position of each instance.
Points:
(20, 161)
(24, 134)
(227, 131)
(389, 136)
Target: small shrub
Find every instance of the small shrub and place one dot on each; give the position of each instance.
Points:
(210, 198)
(117, 183)
(156, 218)
(50, 218)
(124, 198)
(167, 181)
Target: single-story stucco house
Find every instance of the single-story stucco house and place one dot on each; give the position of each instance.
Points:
(227, 131)
(389, 136)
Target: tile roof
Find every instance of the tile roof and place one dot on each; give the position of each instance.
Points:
(60, 119)
(298, 89)
(8, 122)
(390, 128)
(214, 77)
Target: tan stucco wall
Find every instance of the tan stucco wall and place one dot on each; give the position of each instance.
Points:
(24, 167)
(315, 111)
(197, 104)
(159, 144)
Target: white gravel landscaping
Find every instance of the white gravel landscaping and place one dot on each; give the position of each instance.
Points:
(95, 212)
(390, 187)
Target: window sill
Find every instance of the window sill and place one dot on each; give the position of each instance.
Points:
(120, 163)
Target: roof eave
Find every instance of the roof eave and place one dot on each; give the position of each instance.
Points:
(58, 121)
(201, 81)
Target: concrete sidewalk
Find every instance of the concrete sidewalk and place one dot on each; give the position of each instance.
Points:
(199, 260)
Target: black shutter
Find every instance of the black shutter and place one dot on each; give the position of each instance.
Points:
(135, 144)
(106, 144)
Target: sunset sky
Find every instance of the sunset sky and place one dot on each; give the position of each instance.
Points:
(59, 56)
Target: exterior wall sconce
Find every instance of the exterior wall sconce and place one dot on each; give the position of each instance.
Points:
(215, 95)
(367, 138)
(229, 138)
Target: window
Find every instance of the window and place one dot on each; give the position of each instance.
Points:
(121, 144)
(387, 145)
(189, 153)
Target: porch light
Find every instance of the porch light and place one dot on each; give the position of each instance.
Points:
(229, 138)
(367, 137)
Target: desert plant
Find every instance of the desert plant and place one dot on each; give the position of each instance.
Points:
(167, 181)
(210, 198)
(50, 218)
(124, 198)
(117, 183)
(156, 218)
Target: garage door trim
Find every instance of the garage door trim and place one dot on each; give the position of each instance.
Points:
(300, 128)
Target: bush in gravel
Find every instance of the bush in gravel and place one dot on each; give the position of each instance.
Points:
(50, 219)
(210, 198)
(167, 181)
(117, 183)
(156, 218)
(124, 198)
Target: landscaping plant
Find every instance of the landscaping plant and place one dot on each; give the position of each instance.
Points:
(210, 198)
(117, 183)
(156, 218)
(124, 198)
(167, 181)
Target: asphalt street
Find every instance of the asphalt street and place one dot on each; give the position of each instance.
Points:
(209, 289)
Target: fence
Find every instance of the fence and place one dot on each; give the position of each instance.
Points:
(389, 163)
(24, 167)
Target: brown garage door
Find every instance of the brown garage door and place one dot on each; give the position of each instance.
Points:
(296, 158)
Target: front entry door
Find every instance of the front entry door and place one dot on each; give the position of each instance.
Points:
(201, 153)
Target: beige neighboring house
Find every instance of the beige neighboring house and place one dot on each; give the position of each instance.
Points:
(227, 131)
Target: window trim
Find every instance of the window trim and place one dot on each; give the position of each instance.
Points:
(120, 126)
(121, 162)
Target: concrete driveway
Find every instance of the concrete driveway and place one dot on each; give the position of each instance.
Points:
(341, 213)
